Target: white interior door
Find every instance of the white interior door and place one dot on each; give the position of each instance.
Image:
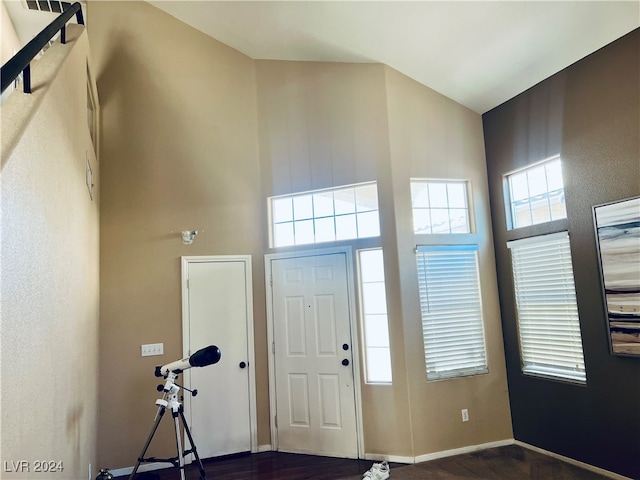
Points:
(217, 310)
(315, 400)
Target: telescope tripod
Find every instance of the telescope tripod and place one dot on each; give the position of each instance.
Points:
(170, 401)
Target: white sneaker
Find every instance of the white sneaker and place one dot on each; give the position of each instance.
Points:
(379, 471)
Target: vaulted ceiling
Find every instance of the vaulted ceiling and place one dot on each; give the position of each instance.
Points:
(478, 53)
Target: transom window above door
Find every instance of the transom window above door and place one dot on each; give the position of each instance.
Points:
(329, 215)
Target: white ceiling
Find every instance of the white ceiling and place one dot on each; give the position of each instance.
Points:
(478, 53)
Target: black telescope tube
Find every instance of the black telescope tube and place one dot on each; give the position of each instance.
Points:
(205, 356)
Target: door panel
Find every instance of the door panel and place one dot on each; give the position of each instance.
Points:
(315, 401)
(330, 412)
(326, 329)
(296, 333)
(299, 399)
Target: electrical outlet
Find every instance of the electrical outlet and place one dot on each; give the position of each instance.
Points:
(152, 349)
(465, 415)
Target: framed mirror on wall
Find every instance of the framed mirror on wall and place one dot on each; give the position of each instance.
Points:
(617, 228)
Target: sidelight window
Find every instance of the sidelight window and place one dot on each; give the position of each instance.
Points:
(375, 324)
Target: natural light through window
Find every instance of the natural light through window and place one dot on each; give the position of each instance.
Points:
(319, 216)
(374, 316)
(548, 322)
(439, 207)
(451, 305)
(536, 194)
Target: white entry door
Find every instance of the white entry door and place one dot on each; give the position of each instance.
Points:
(217, 310)
(315, 399)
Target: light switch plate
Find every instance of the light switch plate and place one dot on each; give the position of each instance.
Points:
(152, 349)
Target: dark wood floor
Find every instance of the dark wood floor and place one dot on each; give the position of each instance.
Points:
(503, 463)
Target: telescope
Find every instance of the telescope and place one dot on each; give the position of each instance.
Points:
(203, 357)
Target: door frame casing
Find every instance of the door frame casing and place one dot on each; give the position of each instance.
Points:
(268, 258)
(246, 259)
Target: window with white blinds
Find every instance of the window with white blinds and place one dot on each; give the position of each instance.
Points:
(548, 324)
(452, 325)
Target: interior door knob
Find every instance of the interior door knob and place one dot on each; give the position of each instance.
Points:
(242, 365)
(345, 362)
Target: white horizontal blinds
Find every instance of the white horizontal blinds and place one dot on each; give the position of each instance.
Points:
(548, 324)
(451, 311)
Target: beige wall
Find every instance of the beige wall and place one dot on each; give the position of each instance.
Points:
(197, 135)
(49, 269)
(323, 125)
(433, 137)
(179, 152)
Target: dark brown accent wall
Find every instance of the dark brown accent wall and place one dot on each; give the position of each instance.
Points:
(588, 113)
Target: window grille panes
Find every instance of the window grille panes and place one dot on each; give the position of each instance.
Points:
(548, 324)
(342, 213)
(374, 316)
(439, 207)
(450, 301)
(536, 194)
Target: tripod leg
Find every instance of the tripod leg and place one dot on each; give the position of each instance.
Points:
(159, 416)
(194, 450)
(179, 445)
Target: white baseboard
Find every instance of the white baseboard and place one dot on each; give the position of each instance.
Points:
(435, 455)
(462, 450)
(572, 461)
(145, 467)
(264, 448)
(379, 457)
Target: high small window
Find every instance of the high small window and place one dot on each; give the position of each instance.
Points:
(439, 207)
(342, 213)
(536, 194)
(450, 300)
(547, 313)
(373, 301)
